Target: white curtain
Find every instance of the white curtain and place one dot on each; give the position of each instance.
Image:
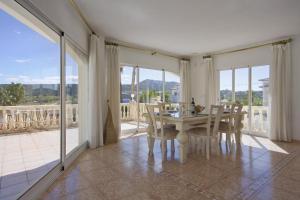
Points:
(211, 81)
(185, 84)
(280, 83)
(97, 104)
(113, 87)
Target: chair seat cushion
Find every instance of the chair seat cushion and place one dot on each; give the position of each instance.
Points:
(226, 126)
(169, 132)
(199, 131)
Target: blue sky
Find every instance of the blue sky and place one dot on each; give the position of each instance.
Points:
(241, 78)
(152, 74)
(28, 57)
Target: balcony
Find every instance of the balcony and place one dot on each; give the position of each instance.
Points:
(30, 143)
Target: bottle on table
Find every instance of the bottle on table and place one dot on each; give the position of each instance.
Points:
(193, 106)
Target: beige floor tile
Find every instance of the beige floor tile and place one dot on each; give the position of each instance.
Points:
(269, 193)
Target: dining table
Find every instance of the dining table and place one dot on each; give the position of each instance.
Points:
(183, 121)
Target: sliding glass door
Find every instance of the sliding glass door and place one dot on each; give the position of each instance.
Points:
(249, 86)
(260, 100)
(39, 125)
(30, 107)
(241, 91)
(141, 86)
(129, 101)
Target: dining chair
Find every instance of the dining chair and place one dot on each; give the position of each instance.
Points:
(157, 130)
(232, 124)
(202, 136)
(165, 106)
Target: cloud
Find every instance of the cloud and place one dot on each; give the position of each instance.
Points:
(17, 32)
(126, 79)
(45, 80)
(22, 60)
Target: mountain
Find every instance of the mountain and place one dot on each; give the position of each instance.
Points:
(151, 85)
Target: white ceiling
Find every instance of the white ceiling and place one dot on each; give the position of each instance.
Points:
(185, 27)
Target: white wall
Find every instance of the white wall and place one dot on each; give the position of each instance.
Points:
(62, 14)
(295, 86)
(141, 58)
(252, 57)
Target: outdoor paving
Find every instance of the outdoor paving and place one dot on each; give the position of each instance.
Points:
(26, 157)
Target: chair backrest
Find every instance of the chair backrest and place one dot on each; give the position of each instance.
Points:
(215, 114)
(153, 118)
(165, 105)
(236, 112)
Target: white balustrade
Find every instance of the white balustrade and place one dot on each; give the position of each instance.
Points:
(35, 117)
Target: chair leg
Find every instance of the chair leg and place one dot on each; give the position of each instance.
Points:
(220, 137)
(163, 149)
(151, 141)
(203, 146)
(207, 148)
(172, 146)
(192, 140)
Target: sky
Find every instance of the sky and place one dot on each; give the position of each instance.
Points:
(28, 57)
(242, 76)
(152, 74)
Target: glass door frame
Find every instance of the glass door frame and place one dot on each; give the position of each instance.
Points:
(250, 103)
(43, 182)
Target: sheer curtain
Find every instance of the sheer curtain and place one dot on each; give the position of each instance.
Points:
(211, 79)
(112, 127)
(82, 61)
(185, 85)
(96, 89)
(280, 83)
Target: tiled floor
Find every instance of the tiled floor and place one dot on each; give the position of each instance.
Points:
(260, 170)
(128, 128)
(26, 157)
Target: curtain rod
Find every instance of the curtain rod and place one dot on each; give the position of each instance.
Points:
(252, 47)
(153, 52)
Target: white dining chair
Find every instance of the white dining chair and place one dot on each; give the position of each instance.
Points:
(158, 130)
(232, 124)
(203, 136)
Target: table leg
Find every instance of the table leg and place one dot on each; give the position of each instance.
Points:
(182, 138)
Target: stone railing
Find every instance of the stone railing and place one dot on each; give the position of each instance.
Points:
(129, 111)
(259, 119)
(16, 119)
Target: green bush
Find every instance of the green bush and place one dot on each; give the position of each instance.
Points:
(12, 94)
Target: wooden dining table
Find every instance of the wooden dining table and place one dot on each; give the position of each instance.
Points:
(184, 121)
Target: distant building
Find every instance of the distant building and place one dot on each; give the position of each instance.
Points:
(265, 89)
(175, 93)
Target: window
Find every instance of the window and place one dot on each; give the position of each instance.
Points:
(251, 88)
(226, 86)
(141, 86)
(172, 87)
(29, 104)
(31, 107)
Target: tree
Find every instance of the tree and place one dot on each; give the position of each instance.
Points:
(167, 96)
(12, 94)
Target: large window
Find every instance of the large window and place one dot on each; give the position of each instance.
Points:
(141, 86)
(172, 87)
(31, 104)
(249, 86)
